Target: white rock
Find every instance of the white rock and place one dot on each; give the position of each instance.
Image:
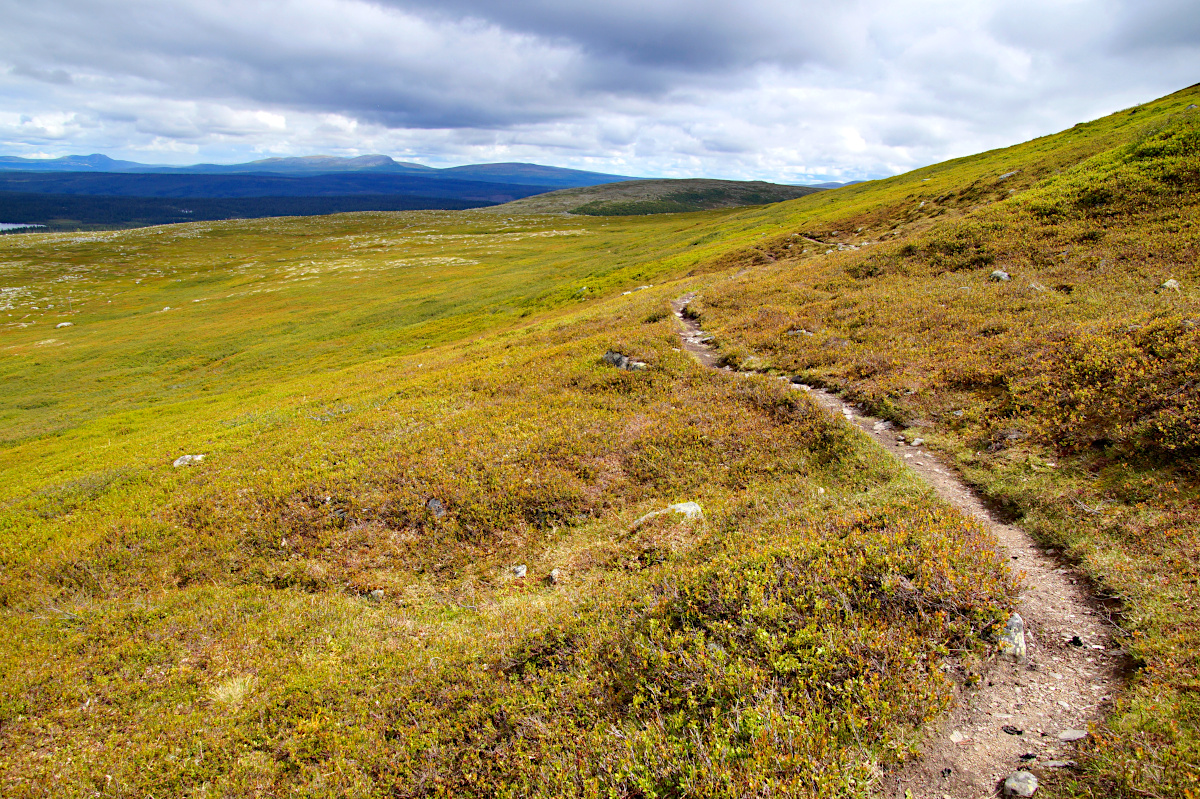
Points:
(999, 276)
(1171, 284)
(186, 460)
(1066, 736)
(520, 571)
(1012, 640)
(957, 737)
(689, 509)
(64, 324)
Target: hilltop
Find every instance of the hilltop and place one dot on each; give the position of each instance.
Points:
(418, 558)
(640, 197)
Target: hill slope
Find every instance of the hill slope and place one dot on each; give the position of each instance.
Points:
(639, 197)
(398, 410)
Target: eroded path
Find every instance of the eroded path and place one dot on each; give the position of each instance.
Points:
(1021, 715)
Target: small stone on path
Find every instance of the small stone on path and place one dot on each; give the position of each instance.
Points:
(1066, 736)
(1020, 783)
(1012, 640)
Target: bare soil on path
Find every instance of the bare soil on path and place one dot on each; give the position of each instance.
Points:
(1014, 716)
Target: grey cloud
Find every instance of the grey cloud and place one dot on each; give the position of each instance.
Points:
(761, 88)
(703, 35)
(59, 77)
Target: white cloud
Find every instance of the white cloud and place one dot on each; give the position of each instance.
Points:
(768, 89)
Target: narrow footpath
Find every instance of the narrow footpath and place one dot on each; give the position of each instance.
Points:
(1025, 714)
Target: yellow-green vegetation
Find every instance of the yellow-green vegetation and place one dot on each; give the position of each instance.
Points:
(1069, 392)
(394, 411)
(397, 409)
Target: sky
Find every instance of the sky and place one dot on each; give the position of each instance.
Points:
(790, 91)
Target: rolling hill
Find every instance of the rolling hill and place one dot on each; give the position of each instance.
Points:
(421, 553)
(640, 197)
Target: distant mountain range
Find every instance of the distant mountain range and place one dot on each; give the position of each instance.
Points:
(95, 191)
(508, 173)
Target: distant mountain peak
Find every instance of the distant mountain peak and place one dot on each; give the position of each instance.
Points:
(523, 174)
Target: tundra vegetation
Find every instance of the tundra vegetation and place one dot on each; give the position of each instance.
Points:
(397, 409)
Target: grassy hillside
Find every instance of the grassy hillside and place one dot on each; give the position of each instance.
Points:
(641, 197)
(1068, 392)
(213, 628)
(398, 409)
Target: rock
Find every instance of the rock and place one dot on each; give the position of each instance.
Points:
(623, 361)
(1020, 783)
(520, 571)
(1006, 176)
(556, 576)
(1067, 736)
(376, 595)
(187, 460)
(1076, 641)
(957, 737)
(916, 442)
(1012, 640)
(1170, 285)
(1011, 730)
(1058, 764)
(616, 359)
(1191, 107)
(435, 506)
(64, 324)
(689, 509)
(999, 276)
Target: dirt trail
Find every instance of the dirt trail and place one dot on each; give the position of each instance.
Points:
(1013, 719)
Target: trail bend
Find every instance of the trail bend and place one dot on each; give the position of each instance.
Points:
(1073, 666)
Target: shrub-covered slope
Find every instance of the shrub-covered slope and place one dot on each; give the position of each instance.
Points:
(398, 409)
(395, 411)
(1038, 318)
